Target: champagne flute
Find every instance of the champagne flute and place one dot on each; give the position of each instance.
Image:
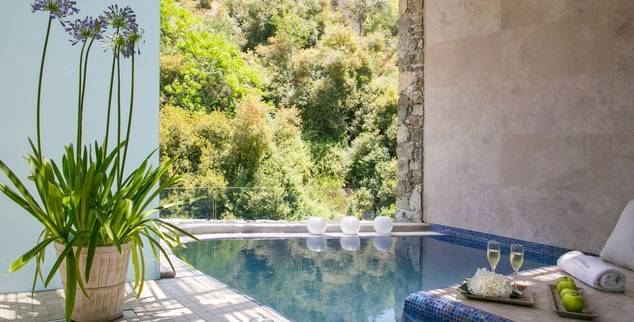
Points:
(517, 259)
(493, 254)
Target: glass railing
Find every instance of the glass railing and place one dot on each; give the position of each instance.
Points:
(274, 203)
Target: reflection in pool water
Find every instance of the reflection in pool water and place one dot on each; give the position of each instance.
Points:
(316, 244)
(347, 279)
(350, 243)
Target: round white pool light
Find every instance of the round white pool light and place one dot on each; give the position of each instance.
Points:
(316, 244)
(350, 225)
(350, 243)
(382, 243)
(383, 225)
(316, 225)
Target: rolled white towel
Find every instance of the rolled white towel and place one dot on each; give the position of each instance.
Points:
(592, 271)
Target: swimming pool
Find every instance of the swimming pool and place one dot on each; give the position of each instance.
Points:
(352, 279)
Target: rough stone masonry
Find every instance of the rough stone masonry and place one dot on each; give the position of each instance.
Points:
(409, 150)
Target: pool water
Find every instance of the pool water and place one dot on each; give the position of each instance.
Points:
(367, 282)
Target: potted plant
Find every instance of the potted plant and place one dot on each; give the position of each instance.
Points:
(96, 214)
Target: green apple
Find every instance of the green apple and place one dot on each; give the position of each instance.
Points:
(568, 291)
(563, 278)
(566, 284)
(573, 303)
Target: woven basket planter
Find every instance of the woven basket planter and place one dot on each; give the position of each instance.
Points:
(106, 287)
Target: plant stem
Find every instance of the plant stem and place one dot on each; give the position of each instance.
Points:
(81, 69)
(114, 60)
(127, 136)
(39, 88)
(115, 53)
(118, 121)
(80, 113)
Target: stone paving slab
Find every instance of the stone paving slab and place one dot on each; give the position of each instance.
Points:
(612, 307)
(191, 296)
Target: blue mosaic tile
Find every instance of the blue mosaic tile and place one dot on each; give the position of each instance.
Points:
(545, 254)
(425, 307)
(542, 258)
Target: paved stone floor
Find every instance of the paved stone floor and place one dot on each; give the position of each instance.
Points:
(191, 296)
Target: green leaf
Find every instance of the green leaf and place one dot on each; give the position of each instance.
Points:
(67, 249)
(135, 264)
(176, 228)
(28, 256)
(16, 182)
(71, 286)
(92, 247)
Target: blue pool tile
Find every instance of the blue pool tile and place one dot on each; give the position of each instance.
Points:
(425, 307)
(542, 253)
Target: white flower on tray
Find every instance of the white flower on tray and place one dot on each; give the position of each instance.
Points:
(487, 283)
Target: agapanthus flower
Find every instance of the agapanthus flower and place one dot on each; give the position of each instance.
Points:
(59, 9)
(88, 28)
(132, 41)
(114, 41)
(121, 19)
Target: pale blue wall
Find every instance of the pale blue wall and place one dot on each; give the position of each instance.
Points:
(21, 39)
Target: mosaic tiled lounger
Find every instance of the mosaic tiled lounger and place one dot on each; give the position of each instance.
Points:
(425, 307)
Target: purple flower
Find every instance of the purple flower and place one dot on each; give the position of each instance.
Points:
(59, 9)
(88, 28)
(127, 34)
(132, 39)
(121, 19)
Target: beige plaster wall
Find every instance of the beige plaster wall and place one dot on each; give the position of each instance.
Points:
(529, 117)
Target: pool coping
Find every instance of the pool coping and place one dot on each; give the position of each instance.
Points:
(201, 227)
(303, 235)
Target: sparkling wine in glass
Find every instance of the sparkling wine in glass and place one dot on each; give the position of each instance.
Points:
(517, 259)
(493, 254)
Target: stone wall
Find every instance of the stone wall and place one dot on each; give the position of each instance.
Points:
(529, 117)
(409, 150)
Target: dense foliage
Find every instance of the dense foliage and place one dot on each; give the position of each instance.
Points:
(280, 109)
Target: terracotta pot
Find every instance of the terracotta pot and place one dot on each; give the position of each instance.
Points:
(106, 287)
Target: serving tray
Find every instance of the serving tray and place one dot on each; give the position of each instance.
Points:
(524, 300)
(558, 306)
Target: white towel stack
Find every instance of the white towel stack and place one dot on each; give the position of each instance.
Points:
(592, 271)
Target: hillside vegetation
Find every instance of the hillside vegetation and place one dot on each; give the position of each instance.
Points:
(280, 109)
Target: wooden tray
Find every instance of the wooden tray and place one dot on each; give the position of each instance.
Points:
(558, 307)
(525, 300)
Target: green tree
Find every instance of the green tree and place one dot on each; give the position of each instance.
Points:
(279, 108)
(201, 70)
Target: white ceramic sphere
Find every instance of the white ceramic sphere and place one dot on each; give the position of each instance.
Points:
(350, 243)
(382, 243)
(383, 225)
(350, 225)
(316, 225)
(316, 244)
